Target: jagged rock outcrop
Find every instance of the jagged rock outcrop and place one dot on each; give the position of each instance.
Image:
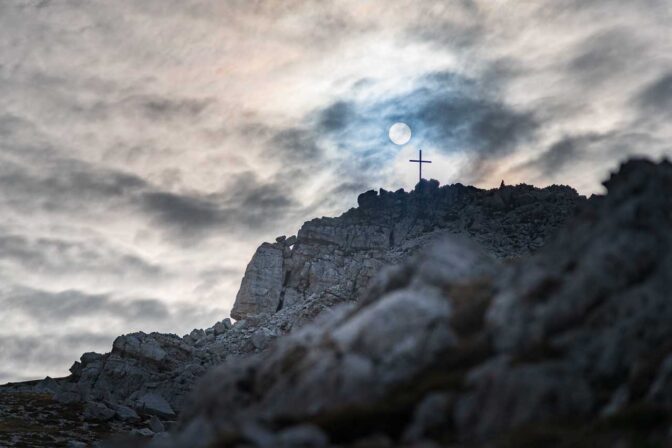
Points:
(569, 345)
(296, 280)
(339, 256)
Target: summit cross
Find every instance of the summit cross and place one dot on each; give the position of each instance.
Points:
(420, 162)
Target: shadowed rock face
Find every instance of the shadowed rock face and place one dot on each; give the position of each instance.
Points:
(339, 256)
(570, 345)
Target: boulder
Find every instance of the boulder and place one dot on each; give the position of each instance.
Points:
(154, 404)
(95, 411)
(76, 444)
(143, 432)
(156, 425)
(222, 326)
(138, 345)
(125, 413)
(47, 386)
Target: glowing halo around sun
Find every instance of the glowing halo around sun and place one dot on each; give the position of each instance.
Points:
(400, 133)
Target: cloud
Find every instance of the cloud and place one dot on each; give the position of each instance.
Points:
(60, 334)
(57, 257)
(336, 116)
(450, 113)
(294, 145)
(185, 214)
(566, 151)
(73, 304)
(656, 98)
(605, 56)
(24, 357)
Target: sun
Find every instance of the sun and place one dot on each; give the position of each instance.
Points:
(400, 133)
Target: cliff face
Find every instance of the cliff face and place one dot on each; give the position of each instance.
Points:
(339, 256)
(569, 347)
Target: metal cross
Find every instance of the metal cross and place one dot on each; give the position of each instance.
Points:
(420, 162)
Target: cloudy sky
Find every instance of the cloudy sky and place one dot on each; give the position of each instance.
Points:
(147, 147)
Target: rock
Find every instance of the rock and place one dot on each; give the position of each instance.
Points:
(76, 444)
(197, 335)
(155, 404)
(143, 432)
(509, 396)
(89, 358)
(617, 403)
(97, 412)
(301, 436)
(261, 338)
(222, 326)
(367, 199)
(341, 255)
(160, 439)
(156, 425)
(47, 385)
(260, 290)
(68, 395)
(432, 414)
(135, 344)
(125, 413)
(660, 392)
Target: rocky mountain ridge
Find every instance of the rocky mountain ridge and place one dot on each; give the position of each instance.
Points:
(567, 347)
(294, 281)
(341, 255)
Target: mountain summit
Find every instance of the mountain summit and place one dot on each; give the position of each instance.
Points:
(444, 315)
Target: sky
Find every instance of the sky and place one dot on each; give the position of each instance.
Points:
(148, 147)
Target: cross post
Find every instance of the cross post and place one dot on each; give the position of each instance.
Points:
(420, 162)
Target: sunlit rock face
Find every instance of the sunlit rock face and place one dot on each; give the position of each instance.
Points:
(339, 256)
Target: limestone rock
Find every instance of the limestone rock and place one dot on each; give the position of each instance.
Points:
(143, 432)
(155, 404)
(125, 413)
(76, 444)
(155, 424)
(222, 326)
(97, 412)
(260, 291)
(341, 255)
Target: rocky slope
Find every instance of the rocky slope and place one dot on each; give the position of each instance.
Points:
(568, 347)
(291, 282)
